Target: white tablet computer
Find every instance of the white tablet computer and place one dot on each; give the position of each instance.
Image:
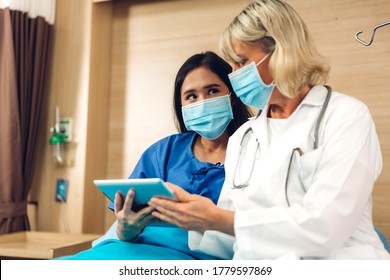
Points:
(145, 188)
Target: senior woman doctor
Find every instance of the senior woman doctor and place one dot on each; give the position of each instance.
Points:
(299, 177)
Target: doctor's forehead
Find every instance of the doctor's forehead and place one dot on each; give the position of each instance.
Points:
(200, 78)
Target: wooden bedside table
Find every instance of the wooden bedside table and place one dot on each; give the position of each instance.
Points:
(43, 245)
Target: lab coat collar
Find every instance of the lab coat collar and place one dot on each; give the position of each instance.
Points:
(259, 126)
(315, 97)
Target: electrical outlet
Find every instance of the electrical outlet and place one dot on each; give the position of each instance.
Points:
(62, 190)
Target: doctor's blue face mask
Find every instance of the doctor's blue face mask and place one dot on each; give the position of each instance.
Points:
(208, 117)
(249, 87)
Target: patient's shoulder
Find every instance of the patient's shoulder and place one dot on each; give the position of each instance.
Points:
(178, 138)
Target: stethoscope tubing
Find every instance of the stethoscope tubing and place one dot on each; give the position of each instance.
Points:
(249, 129)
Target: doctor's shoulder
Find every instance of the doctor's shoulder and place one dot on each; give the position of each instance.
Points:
(243, 128)
(346, 116)
(237, 136)
(346, 107)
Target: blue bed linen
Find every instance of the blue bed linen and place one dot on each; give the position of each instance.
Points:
(152, 245)
(172, 160)
(114, 249)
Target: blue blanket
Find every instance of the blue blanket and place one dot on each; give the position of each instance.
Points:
(154, 243)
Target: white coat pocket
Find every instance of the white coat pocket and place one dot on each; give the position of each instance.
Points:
(307, 164)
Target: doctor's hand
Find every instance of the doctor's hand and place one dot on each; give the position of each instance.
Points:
(130, 223)
(192, 212)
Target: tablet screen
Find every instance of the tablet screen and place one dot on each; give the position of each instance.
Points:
(145, 188)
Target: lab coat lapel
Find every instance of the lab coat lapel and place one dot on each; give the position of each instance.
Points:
(260, 129)
(299, 132)
(299, 128)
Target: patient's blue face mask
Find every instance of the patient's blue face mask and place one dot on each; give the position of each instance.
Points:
(208, 117)
(249, 86)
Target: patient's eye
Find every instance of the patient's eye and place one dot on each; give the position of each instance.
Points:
(213, 91)
(190, 96)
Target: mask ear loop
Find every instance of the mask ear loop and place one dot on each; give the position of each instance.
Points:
(259, 113)
(258, 63)
(264, 58)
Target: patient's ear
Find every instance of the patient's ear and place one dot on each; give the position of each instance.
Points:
(233, 99)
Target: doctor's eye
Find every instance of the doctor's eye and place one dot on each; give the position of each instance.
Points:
(241, 62)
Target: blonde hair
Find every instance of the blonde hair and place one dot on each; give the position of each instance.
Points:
(276, 27)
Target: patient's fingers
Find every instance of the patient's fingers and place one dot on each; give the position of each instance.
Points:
(143, 217)
(129, 202)
(148, 218)
(118, 202)
(145, 212)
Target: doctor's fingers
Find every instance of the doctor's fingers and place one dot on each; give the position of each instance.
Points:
(181, 219)
(167, 204)
(167, 217)
(179, 192)
(172, 212)
(191, 207)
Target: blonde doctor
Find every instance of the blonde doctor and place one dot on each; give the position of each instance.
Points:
(299, 176)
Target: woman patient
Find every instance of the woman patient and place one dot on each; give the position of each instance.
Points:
(207, 112)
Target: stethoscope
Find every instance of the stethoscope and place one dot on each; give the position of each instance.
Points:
(298, 150)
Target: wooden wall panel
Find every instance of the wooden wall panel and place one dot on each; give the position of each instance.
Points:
(68, 87)
(98, 106)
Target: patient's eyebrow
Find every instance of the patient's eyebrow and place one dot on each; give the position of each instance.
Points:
(188, 91)
(212, 86)
(191, 90)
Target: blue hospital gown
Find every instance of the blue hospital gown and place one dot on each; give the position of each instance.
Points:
(172, 160)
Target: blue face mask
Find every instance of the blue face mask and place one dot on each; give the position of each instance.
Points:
(249, 87)
(208, 117)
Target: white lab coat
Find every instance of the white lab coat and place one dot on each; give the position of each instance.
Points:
(329, 190)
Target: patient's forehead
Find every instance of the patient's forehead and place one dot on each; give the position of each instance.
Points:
(199, 78)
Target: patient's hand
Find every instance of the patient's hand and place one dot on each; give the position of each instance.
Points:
(130, 223)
